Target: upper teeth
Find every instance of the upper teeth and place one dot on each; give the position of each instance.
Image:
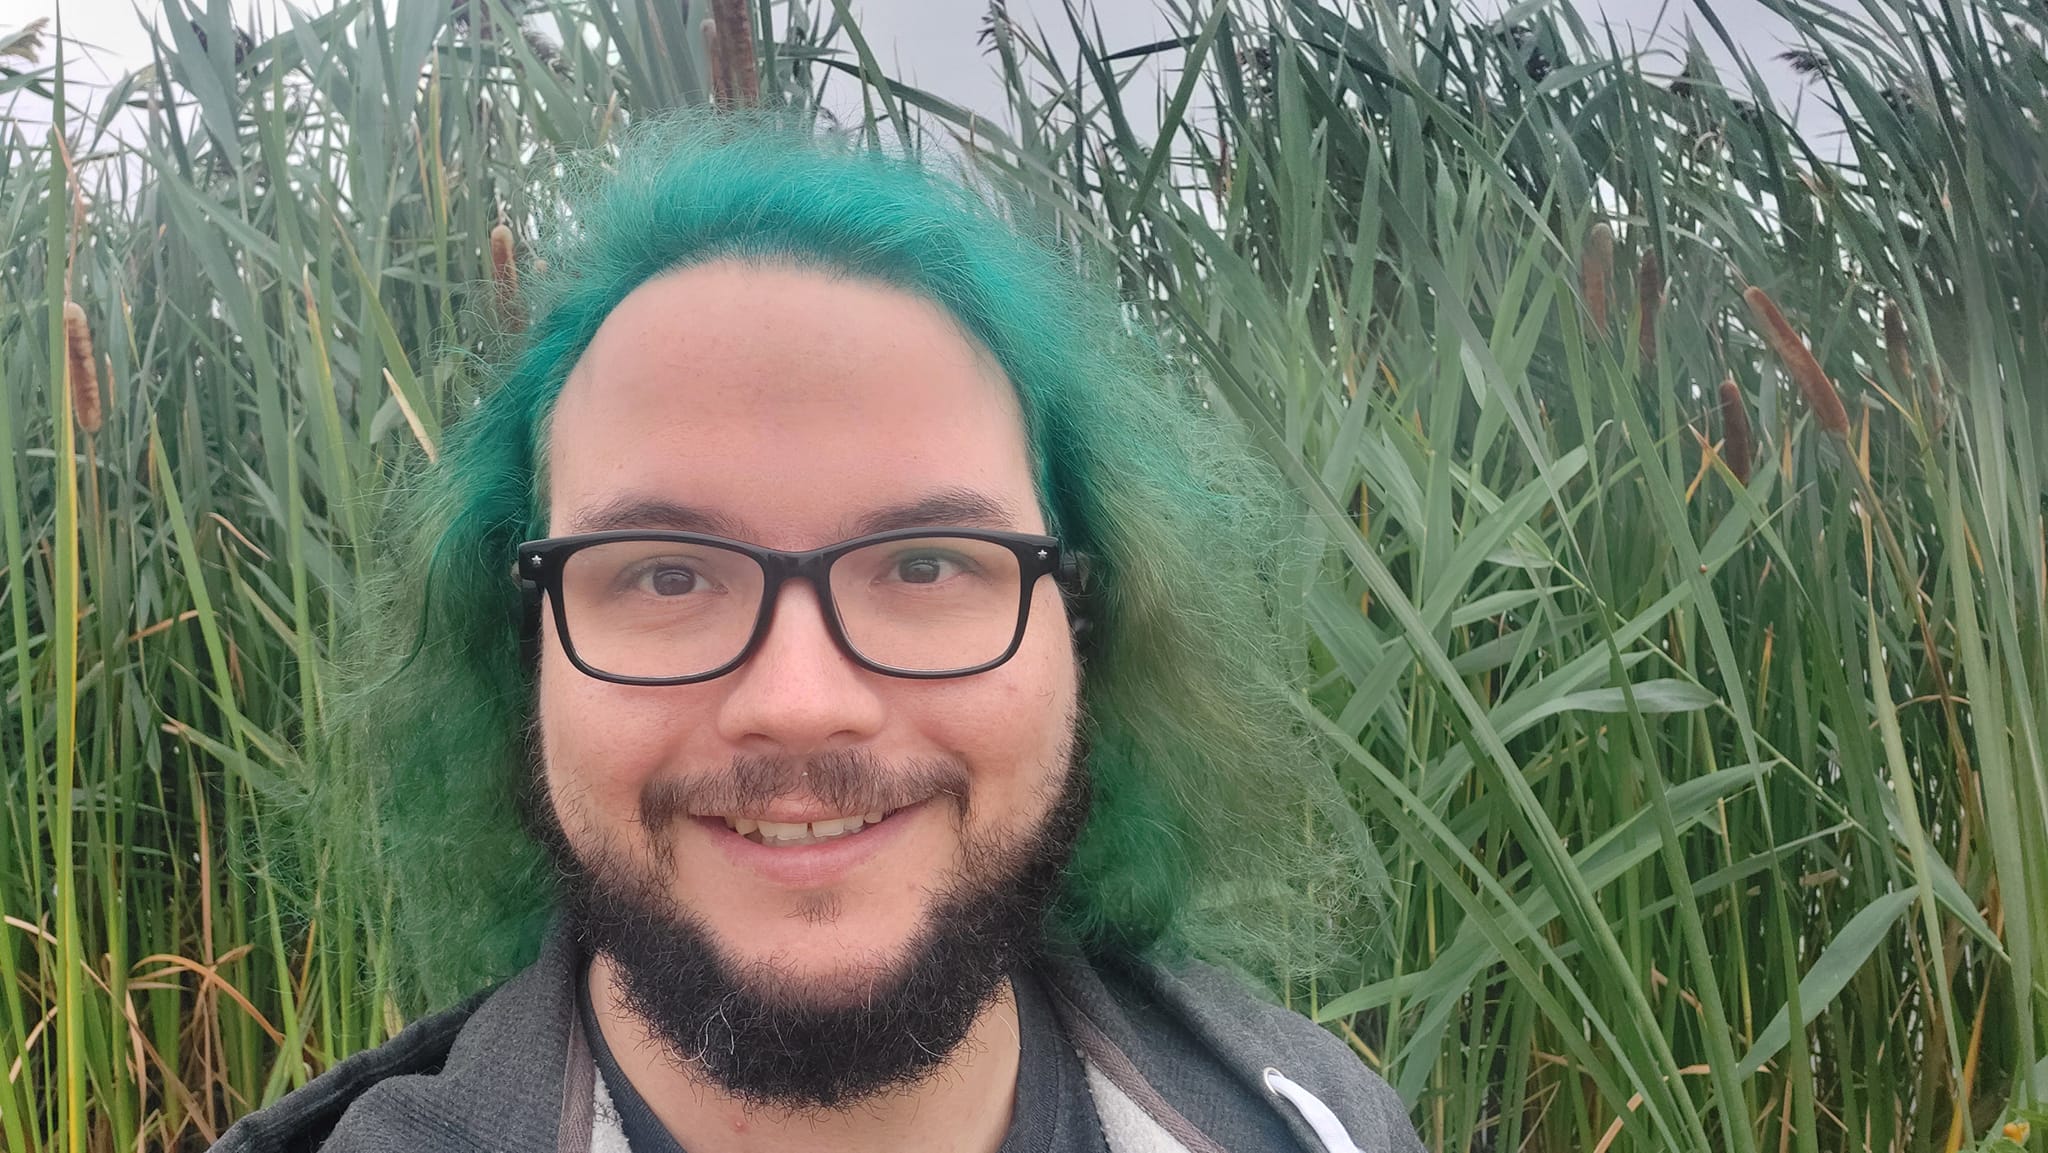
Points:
(784, 833)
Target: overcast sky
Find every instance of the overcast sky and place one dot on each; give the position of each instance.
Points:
(931, 43)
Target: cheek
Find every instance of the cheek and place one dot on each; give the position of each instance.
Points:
(1015, 724)
(600, 743)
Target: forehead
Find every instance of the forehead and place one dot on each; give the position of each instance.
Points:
(787, 402)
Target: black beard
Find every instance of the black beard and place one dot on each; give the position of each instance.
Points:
(773, 1041)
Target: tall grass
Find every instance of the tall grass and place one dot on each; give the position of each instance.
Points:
(1682, 630)
(282, 250)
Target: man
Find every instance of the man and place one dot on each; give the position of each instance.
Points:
(841, 670)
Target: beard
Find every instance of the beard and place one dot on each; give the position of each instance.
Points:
(768, 1037)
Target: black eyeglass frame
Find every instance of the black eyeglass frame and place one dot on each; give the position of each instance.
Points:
(538, 568)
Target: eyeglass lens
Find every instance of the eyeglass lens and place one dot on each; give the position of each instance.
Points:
(662, 609)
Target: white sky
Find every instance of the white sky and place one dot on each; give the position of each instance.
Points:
(931, 43)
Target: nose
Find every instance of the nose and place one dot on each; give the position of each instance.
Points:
(799, 693)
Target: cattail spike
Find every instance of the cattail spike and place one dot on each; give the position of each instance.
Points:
(736, 50)
(1799, 362)
(1734, 430)
(1596, 272)
(1900, 355)
(505, 274)
(1649, 300)
(714, 62)
(504, 270)
(1895, 342)
(81, 369)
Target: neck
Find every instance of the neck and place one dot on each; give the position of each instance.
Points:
(964, 1107)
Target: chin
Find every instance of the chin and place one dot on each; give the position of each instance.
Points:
(764, 989)
(822, 967)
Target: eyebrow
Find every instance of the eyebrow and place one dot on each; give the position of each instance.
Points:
(946, 508)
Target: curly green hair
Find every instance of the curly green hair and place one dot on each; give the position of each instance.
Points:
(1217, 827)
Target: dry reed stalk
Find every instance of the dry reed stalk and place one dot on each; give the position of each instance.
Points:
(412, 419)
(81, 368)
(1649, 301)
(1735, 431)
(736, 51)
(1596, 272)
(1798, 360)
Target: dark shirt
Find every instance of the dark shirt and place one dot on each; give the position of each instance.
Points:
(1054, 1111)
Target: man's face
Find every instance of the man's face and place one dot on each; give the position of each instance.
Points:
(787, 407)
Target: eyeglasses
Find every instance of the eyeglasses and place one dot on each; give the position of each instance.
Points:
(675, 608)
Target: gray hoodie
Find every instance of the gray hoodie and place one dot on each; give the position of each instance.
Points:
(1173, 1057)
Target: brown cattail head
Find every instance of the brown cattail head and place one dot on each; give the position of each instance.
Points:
(1596, 272)
(1649, 301)
(1799, 362)
(1895, 342)
(505, 275)
(1734, 430)
(736, 49)
(714, 63)
(81, 370)
(504, 269)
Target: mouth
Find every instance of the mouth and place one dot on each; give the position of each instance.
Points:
(785, 834)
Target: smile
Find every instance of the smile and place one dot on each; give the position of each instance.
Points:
(784, 834)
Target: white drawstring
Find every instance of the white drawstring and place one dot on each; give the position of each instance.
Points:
(1329, 1130)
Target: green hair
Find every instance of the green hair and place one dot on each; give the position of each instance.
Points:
(1217, 828)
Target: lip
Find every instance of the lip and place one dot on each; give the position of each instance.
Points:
(782, 813)
(809, 866)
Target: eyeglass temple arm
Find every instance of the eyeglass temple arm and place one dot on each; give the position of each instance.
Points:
(529, 617)
(1071, 574)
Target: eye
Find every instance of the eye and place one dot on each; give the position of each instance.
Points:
(924, 568)
(671, 582)
(664, 578)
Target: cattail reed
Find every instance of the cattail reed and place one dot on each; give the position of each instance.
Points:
(1895, 349)
(736, 51)
(1596, 272)
(1799, 362)
(1734, 429)
(714, 63)
(738, 47)
(1649, 300)
(505, 274)
(81, 369)
(504, 270)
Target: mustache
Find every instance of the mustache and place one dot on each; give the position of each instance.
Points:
(845, 780)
